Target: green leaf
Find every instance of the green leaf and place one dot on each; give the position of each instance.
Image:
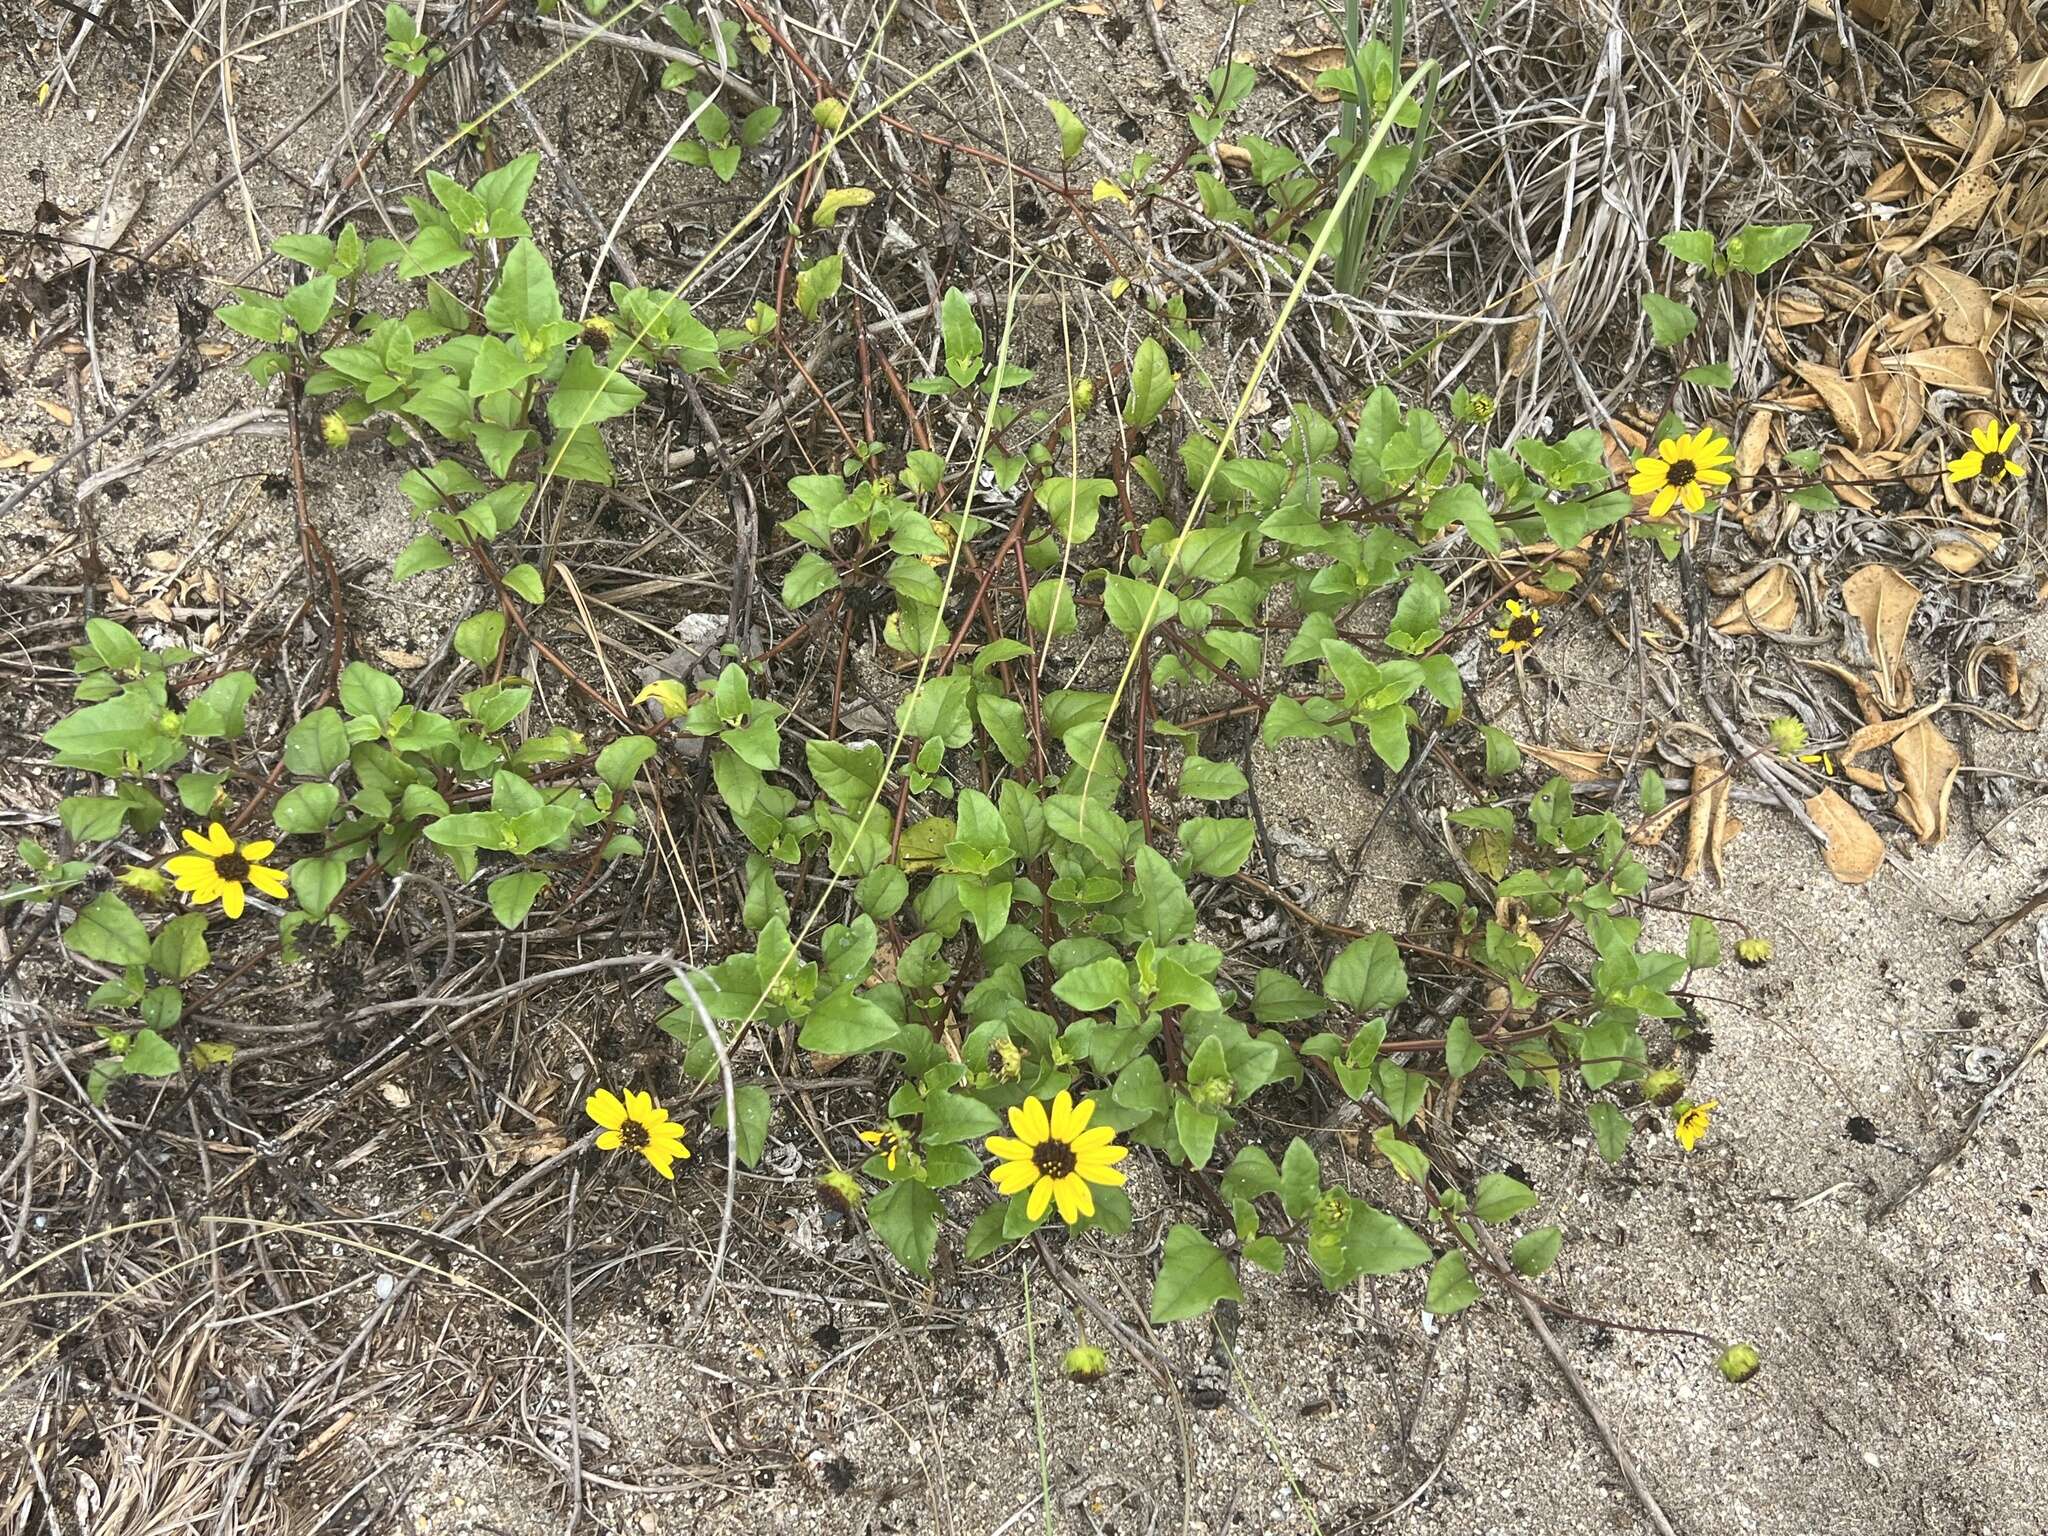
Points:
(198, 791)
(367, 692)
(512, 896)
(752, 1107)
(1217, 846)
(92, 818)
(1051, 607)
(221, 708)
(951, 1117)
(963, 337)
(1710, 376)
(845, 1024)
(1650, 789)
(1451, 1287)
(116, 648)
(1498, 1197)
(1461, 1052)
(1151, 384)
(1277, 998)
(316, 882)
(525, 298)
(307, 808)
(810, 578)
(1693, 246)
(589, 393)
(906, 1217)
(1193, 1276)
(1368, 976)
(149, 1054)
(817, 283)
(1100, 984)
(478, 637)
(1702, 945)
(423, 554)
(1670, 321)
(1534, 1252)
(1202, 779)
(106, 931)
(1073, 132)
(1756, 248)
(526, 581)
(179, 948)
(850, 775)
(1301, 1180)
(1611, 1130)
(1133, 606)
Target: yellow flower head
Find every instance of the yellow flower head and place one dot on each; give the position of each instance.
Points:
(1519, 628)
(1056, 1156)
(638, 1123)
(891, 1142)
(1990, 454)
(1692, 1120)
(1682, 471)
(219, 867)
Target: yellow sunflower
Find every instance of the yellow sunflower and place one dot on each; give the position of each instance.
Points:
(638, 1123)
(219, 867)
(891, 1141)
(1056, 1156)
(1990, 454)
(1692, 1120)
(1519, 628)
(1681, 471)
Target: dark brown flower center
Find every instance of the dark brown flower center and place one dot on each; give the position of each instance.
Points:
(1521, 629)
(1682, 472)
(231, 867)
(1994, 462)
(633, 1134)
(1054, 1159)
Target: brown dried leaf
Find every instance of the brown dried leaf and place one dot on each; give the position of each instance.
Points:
(1854, 852)
(2027, 82)
(1847, 401)
(1882, 601)
(1949, 115)
(1963, 369)
(1302, 65)
(1710, 828)
(1961, 304)
(1771, 602)
(1579, 767)
(1961, 207)
(1963, 550)
(1929, 765)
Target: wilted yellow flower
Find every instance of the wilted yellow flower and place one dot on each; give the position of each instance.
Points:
(1990, 454)
(1519, 628)
(891, 1142)
(1681, 471)
(1056, 1156)
(1692, 1120)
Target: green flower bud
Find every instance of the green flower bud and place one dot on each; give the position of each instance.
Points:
(1787, 734)
(334, 430)
(1214, 1094)
(1663, 1086)
(1753, 952)
(1086, 1364)
(1739, 1362)
(829, 114)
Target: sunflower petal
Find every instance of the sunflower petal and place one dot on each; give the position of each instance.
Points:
(219, 841)
(1013, 1178)
(1986, 438)
(1062, 1117)
(1077, 1122)
(1694, 496)
(610, 1141)
(1069, 1202)
(604, 1107)
(639, 1104)
(1665, 498)
(271, 882)
(231, 898)
(189, 866)
(1714, 477)
(195, 842)
(1029, 1121)
(1095, 1136)
(2008, 437)
(1095, 1173)
(2015, 468)
(1008, 1150)
(661, 1157)
(258, 850)
(1967, 466)
(1102, 1157)
(1041, 1197)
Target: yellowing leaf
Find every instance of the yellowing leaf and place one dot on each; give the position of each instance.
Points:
(1107, 191)
(837, 201)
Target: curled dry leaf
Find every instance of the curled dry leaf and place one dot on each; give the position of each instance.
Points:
(1961, 304)
(1961, 207)
(1962, 550)
(1578, 767)
(1854, 852)
(1949, 115)
(1847, 401)
(1710, 828)
(1882, 602)
(1303, 65)
(1770, 603)
(1963, 369)
(2027, 81)
(1928, 766)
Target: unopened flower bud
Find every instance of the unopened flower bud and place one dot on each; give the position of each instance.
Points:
(1085, 1363)
(1739, 1362)
(1753, 952)
(1663, 1086)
